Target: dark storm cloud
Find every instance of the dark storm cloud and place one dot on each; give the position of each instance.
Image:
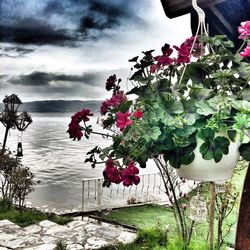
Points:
(39, 35)
(45, 79)
(62, 22)
(14, 52)
(106, 15)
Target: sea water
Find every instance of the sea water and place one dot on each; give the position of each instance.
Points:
(56, 160)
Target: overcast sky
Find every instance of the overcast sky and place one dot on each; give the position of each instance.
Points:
(65, 49)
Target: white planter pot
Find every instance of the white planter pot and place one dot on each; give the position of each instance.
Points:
(209, 170)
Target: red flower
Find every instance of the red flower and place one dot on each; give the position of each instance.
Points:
(244, 30)
(246, 51)
(74, 129)
(164, 60)
(110, 83)
(122, 120)
(154, 67)
(138, 114)
(116, 99)
(112, 172)
(183, 53)
(129, 175)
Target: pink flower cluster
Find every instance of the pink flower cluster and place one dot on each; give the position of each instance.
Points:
(185, 48)
(117, 175)
(244, 30)
(116, 99)
(183, 53)
(123, 120)
(246, 51)
(74, 129)
(162, 60)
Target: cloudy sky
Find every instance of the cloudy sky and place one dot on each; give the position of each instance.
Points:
(65, 49)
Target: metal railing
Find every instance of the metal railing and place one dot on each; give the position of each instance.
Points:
(151, 189)
(95, 197)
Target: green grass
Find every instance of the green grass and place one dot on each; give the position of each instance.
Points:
(155, 239)
(148, 217)
(31, 216)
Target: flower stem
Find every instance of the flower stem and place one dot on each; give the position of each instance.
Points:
(242, 45)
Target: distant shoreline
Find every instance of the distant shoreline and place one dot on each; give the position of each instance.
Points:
(58, 106)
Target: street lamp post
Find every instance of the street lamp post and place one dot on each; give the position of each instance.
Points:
(11, 119)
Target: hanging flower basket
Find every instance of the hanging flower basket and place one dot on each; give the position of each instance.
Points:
(209, 170)
(189, 106)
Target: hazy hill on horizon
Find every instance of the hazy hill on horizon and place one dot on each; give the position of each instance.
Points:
(59, 106)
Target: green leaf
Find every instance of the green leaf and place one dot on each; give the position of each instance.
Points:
(137, 75)
(138, 90)
(203, 108)
(142, 160)
(196, 72)
(241, 105)
(222, 143)
(206, 134)
(190, 119)
(124, 107)
(117, 141)
(246, 94)
(207, 151)
(199, 93)
(232, 134)
(151, 133)
(244, 150)
(244, 70)
(214, 149)
(174, 107)
(180, 155)
(108, 122)
(185, 132)
(163, 85)
(187, 159)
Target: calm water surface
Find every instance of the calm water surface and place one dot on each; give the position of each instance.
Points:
(56, 160)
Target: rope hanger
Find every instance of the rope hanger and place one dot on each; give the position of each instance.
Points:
(201, 19)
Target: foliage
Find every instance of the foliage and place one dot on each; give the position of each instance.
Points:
(29, 216)
(149, 216)
(16, 179)
(155, 239)
(199, 94)
(180, 99)
(61, 245)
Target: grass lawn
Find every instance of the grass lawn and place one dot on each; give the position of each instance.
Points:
(30, 216)
(148, 217)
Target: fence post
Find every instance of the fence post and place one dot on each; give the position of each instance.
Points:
(82, 198)
(99, 195)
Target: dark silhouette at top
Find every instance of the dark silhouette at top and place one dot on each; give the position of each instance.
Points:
(222, 16)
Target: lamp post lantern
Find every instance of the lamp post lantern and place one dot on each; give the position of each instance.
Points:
(11, 119)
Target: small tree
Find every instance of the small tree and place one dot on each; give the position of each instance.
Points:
(16, 179)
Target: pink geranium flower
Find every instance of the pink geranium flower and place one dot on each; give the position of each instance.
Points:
(246, 51)
(244, 30)
(122, 120)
